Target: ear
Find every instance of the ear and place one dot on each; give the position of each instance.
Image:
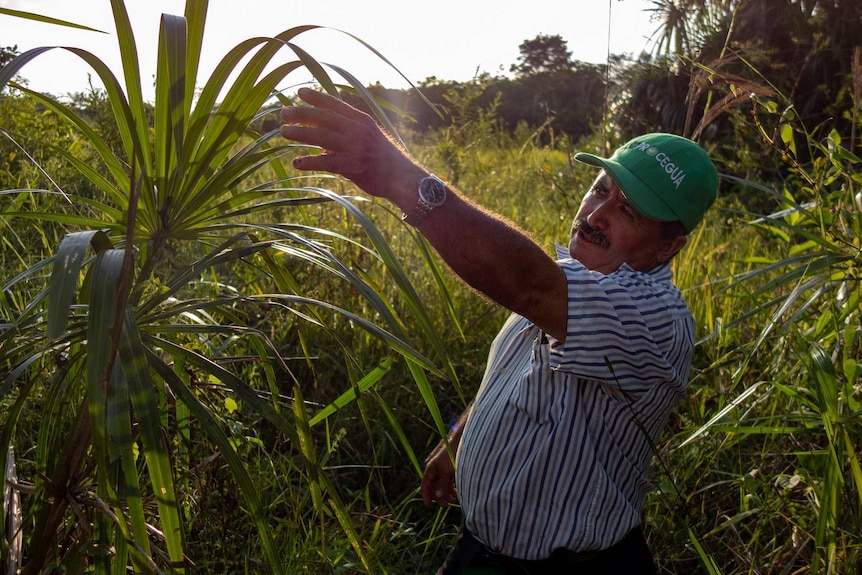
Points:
(670, 248)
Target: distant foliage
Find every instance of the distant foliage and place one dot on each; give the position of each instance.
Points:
(7, 53)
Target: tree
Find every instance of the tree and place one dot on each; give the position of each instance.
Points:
(552, 89)
(542, 55)
(7, 54)
(718, 53)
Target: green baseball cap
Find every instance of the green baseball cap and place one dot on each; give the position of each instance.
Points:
(663, 176)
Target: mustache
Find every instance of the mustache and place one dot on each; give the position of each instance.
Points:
(594, 235)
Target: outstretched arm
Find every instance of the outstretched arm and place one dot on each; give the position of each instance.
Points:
(487, 252)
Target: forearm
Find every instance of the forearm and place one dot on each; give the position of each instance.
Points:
(496, 258)
(489, 253)
(454, 436)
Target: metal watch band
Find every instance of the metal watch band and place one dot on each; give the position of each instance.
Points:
(418, 213)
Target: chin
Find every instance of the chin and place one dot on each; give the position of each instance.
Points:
(581, 251)
(591, 263)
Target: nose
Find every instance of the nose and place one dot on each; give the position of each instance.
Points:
(597, 216)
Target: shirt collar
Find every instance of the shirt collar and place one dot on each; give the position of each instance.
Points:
(659, 273)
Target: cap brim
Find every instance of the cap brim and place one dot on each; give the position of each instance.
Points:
(639, 194)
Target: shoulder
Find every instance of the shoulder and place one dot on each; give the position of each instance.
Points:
(642, 293)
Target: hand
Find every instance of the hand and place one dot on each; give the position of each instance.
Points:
(354, 146)
(438, 481)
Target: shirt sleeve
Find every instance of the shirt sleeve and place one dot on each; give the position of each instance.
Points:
(628, 328)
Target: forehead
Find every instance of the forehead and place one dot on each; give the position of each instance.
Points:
(604, 179)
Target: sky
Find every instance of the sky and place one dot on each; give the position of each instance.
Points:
(446, 39)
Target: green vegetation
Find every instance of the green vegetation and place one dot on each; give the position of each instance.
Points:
(213, 364)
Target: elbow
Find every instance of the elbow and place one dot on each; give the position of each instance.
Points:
(547, 308)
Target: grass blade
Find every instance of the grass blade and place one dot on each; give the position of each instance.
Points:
(142, 397)
(237, 385)
(364, 384)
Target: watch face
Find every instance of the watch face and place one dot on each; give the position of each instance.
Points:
(432, 191)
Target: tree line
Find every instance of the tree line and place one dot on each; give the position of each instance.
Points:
(713, 62)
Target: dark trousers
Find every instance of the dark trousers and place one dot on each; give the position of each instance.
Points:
(631, 556)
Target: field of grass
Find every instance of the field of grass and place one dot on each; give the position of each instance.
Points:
(759, 472)
(210, 363)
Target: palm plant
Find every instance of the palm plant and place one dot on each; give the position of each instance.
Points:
(146, 300)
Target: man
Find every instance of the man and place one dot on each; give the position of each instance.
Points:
(553, 453)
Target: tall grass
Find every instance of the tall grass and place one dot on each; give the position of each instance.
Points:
(767, 447)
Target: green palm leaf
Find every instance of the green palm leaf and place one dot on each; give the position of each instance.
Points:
(102, 342)
(142, 398)
(65, 273)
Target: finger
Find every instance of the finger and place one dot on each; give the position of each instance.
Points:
(445, 498)
(318, 163)
(320, 137)
(315, 117)
(325, 101)
(324, 111)
(453, 494)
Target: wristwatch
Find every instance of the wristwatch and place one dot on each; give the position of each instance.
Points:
(432, 194)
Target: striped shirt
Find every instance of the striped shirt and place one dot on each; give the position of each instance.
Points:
(552, 455)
